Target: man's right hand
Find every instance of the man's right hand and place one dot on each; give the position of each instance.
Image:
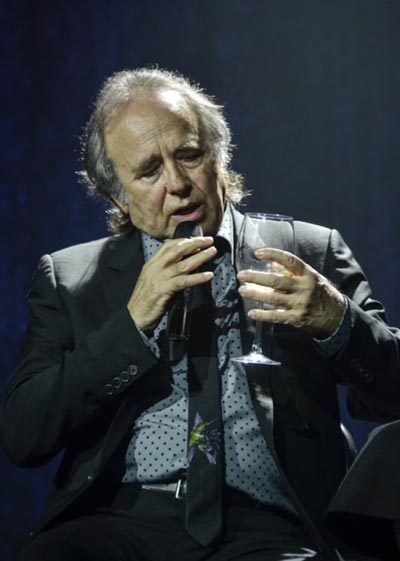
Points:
(171, 270)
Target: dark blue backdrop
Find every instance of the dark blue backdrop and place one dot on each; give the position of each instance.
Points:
(311, 88)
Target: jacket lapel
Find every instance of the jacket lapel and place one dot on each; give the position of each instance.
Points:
(123, 263)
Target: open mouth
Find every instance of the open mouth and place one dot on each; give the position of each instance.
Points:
(192, 212)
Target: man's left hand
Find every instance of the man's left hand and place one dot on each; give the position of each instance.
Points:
(303, 297)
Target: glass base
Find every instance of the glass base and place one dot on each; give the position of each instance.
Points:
(256, 358)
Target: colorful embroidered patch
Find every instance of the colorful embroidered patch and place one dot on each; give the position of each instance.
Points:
(204, 439)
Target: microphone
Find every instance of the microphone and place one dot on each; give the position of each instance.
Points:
(177, 332)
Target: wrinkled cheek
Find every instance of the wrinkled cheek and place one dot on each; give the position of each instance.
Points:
(139, 213)
(148, 216)
(134, 216)
(205, 178)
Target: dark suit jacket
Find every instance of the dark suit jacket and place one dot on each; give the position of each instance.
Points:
(365, 511)
(86, 373)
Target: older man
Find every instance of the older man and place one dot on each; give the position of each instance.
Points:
(96, 379)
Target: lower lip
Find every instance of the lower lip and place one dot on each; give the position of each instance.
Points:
(195, 216)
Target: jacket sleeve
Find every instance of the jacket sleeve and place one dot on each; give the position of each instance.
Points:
(63, 380)
(369, 363)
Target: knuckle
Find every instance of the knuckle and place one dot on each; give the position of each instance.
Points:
(182, 267)
(301, 320)
(184, 244)
(275, 282)
(274, 317)
(273, 298)
(182, 283)
(167, 244)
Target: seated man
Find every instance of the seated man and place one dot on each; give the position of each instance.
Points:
(189, 457)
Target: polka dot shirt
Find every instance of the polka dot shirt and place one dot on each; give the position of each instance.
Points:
(158, 447)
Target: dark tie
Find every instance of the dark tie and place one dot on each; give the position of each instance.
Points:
(205, 453)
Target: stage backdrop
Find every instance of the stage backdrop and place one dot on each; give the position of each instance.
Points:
(311, 89)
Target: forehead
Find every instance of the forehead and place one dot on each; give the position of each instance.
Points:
(145, 122)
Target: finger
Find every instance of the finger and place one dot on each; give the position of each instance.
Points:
(148, 306)
(190, 264)
(292, 263)
(164, 264)
(272, 280)
(175, 250)
(265, 295)
(271, 316)
(187, 281)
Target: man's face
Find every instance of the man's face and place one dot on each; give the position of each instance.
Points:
(164, 166)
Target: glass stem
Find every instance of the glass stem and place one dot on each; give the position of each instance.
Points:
(257, 343)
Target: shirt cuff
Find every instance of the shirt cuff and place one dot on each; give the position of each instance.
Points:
(150, 342)
(339, 339)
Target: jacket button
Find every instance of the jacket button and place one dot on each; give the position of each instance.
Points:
(90, 477)
(125, 376)
(133, 370)
(117, 382)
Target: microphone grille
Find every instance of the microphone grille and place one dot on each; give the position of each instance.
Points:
(188, 229)
(197, 231)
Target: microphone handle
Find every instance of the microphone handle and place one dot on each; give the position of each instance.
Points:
(180, 312)
(178, 325)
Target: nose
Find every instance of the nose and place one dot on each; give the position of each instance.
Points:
(176, 180)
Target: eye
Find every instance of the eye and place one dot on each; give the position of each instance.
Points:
(149, 173)
(191, 157)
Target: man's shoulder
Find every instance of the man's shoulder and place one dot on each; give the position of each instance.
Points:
(312, 243)
(84, 250)
(87, 258)
(307, 231)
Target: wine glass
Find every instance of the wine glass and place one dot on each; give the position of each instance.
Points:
(258, 231)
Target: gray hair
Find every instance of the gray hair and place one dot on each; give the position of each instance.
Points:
(100, 176)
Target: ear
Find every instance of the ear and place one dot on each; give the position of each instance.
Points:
(123, 207)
